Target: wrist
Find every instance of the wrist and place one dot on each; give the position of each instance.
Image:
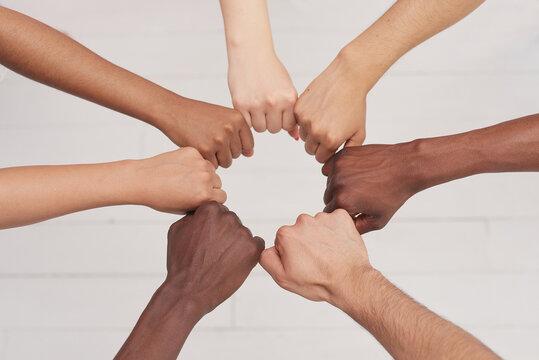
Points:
(185, 306)
(166, 114)
(132, 186)
(247, 51)
(361, 67)
(434, 161)
(346, 293)
(119, 182)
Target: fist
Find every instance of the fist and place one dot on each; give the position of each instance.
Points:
(262, 91)
(331, 112)
(371, 182)
(220, 134)
(210, 254)
(317, 257)
(176, 181)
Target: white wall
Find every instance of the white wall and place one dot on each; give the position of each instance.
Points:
(74, 287)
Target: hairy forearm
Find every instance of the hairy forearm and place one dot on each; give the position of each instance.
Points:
(406, 329)
(405, 25)
(247, 26)
(36, 193)
(507, 147)
(44, 54)
(162, 328)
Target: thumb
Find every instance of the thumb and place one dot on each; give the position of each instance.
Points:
(356, 140)
(270, 260)
(260, 243)
(365, 223)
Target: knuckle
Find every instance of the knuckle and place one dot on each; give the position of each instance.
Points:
(290, 97)
(282, 233)
(270, 102)
(190, 151)
(229, 128)
(219, 140)
(230, 217)
(341, 213)
(304, 218)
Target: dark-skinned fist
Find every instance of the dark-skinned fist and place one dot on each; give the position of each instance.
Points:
(210, 254)
(371, 182)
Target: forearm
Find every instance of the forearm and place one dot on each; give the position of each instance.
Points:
(162, 328)
(406, 329)
(37, 193)
(247, 27)
(44, 54)
(506, 147)
(405, 25)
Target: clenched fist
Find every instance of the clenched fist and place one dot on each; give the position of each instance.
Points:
(371, 182)
(331, 111)
(210, 254)
(174, 182)
(318, 256)
(262, 91)
(220, 134)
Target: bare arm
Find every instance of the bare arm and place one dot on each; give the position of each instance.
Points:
(376, 180)
(43, 54)
(405, 25)
(210, 254)
(260, 86)
(323, 258)
(331, 111)
(406, 329)
(174, 182)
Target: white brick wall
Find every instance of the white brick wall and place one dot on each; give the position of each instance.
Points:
(73, 287)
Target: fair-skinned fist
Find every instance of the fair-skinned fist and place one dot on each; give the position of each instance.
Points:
(317, 256)
(331, 111)
(175, 182)
(262, 91)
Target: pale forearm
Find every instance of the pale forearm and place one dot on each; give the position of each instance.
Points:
(162, 328)
(247, 26)
(405, 25)
(37, 193)
(44, 54)
(406, 329)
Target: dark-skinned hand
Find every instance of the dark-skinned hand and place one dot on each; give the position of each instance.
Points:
(209, 256)
(371, 182)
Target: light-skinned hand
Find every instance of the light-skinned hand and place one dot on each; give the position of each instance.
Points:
(331, 111)
(317, 256)
(262, 91)
(175, 182)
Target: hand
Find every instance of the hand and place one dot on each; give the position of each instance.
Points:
(331, 111)
(220, 134)
(210, 254)
(371, 182)
(317, 256)
(175, 182)
(262, 91)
